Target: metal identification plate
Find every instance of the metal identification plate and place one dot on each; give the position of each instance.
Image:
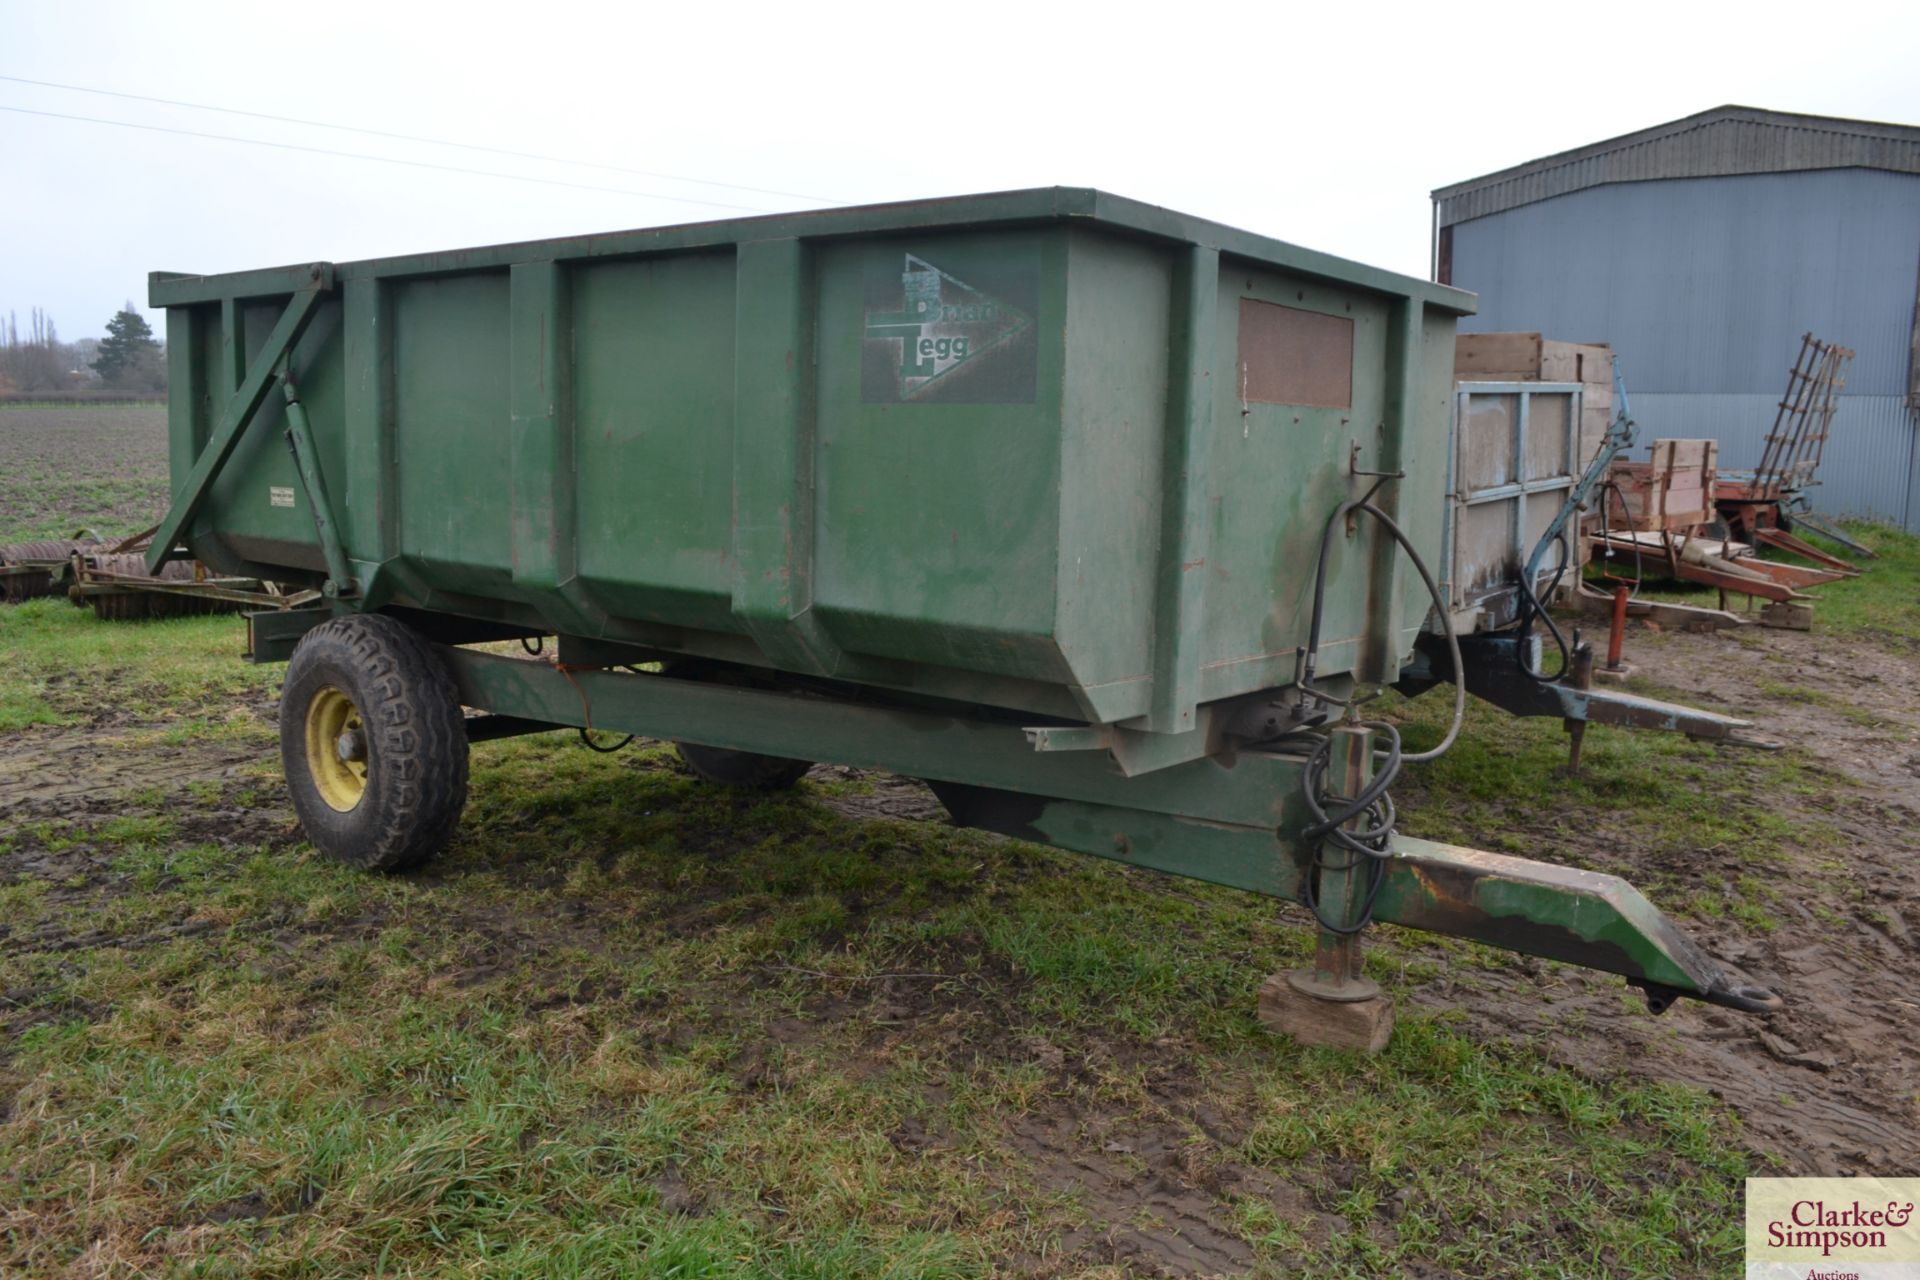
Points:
(280, 495)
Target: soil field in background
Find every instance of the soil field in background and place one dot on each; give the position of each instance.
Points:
(102, 467)
(632, 1025)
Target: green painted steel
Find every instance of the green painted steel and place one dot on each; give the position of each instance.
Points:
(213, 446)
(1012, 449)
(307, 467)
(1236, 825)
(1047, 459)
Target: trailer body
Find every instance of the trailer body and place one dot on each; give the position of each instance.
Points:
(1080, 509)
(1052, 451)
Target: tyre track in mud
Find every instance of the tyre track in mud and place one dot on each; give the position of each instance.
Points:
(50, 773)
(1830, 1085)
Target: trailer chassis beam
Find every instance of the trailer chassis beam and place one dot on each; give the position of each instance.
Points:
(1493, 675)
(1235, 822)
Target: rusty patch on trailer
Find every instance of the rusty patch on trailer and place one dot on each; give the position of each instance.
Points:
(1456, 908)
(1291, 356)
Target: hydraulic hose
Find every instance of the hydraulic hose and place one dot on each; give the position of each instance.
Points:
(1531, 608)
(1371, 840)
(1606, 531)
(1311, 659)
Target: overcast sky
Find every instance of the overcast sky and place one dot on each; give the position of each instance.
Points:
(1326, 125)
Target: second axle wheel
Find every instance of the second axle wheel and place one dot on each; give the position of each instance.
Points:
(724, 765)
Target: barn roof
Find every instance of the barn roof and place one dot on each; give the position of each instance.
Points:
(1724, 141)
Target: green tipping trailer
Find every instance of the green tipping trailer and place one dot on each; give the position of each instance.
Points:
(1090, 513)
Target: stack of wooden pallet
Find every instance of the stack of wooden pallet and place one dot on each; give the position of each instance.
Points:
(1528, 357)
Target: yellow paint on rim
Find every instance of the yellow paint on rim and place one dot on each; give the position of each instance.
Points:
(336, 749)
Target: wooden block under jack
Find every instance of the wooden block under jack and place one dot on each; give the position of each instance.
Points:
(1789, 615)
(1621, 672)
(1364, 1025)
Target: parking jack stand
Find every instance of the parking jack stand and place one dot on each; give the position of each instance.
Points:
(1580, 676)
(1330, 1005)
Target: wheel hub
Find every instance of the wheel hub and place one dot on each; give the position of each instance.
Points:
(336, 741)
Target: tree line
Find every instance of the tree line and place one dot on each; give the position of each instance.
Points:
(129, 358)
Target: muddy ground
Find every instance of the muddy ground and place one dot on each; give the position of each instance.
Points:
(1829, 1086)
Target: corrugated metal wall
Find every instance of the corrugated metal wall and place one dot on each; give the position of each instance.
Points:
(1704, 286)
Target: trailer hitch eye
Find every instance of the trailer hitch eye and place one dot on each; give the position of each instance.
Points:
(1747, 999)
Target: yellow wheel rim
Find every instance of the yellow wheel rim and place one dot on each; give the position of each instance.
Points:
(336, 749)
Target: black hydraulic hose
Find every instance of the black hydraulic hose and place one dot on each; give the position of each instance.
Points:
(1530, 608)
(605, 751)
(586, 737)
(1606, 531)
(1376, 877)
(1333, 825)
(1372, 809)
(1310, 661)
(1370, 844)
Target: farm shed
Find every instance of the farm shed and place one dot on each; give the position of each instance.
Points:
(1702, 250)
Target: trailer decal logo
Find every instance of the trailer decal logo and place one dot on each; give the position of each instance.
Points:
(933, 324)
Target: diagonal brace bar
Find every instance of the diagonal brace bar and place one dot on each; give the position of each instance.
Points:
(1827, 529)
(238, 416)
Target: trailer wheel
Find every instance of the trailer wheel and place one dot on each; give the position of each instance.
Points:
(730, 768)
(724, 766)
(373, 742)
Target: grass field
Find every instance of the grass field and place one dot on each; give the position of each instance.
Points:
(635, 1026)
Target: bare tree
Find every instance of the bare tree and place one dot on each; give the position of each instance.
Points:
(40, 361)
